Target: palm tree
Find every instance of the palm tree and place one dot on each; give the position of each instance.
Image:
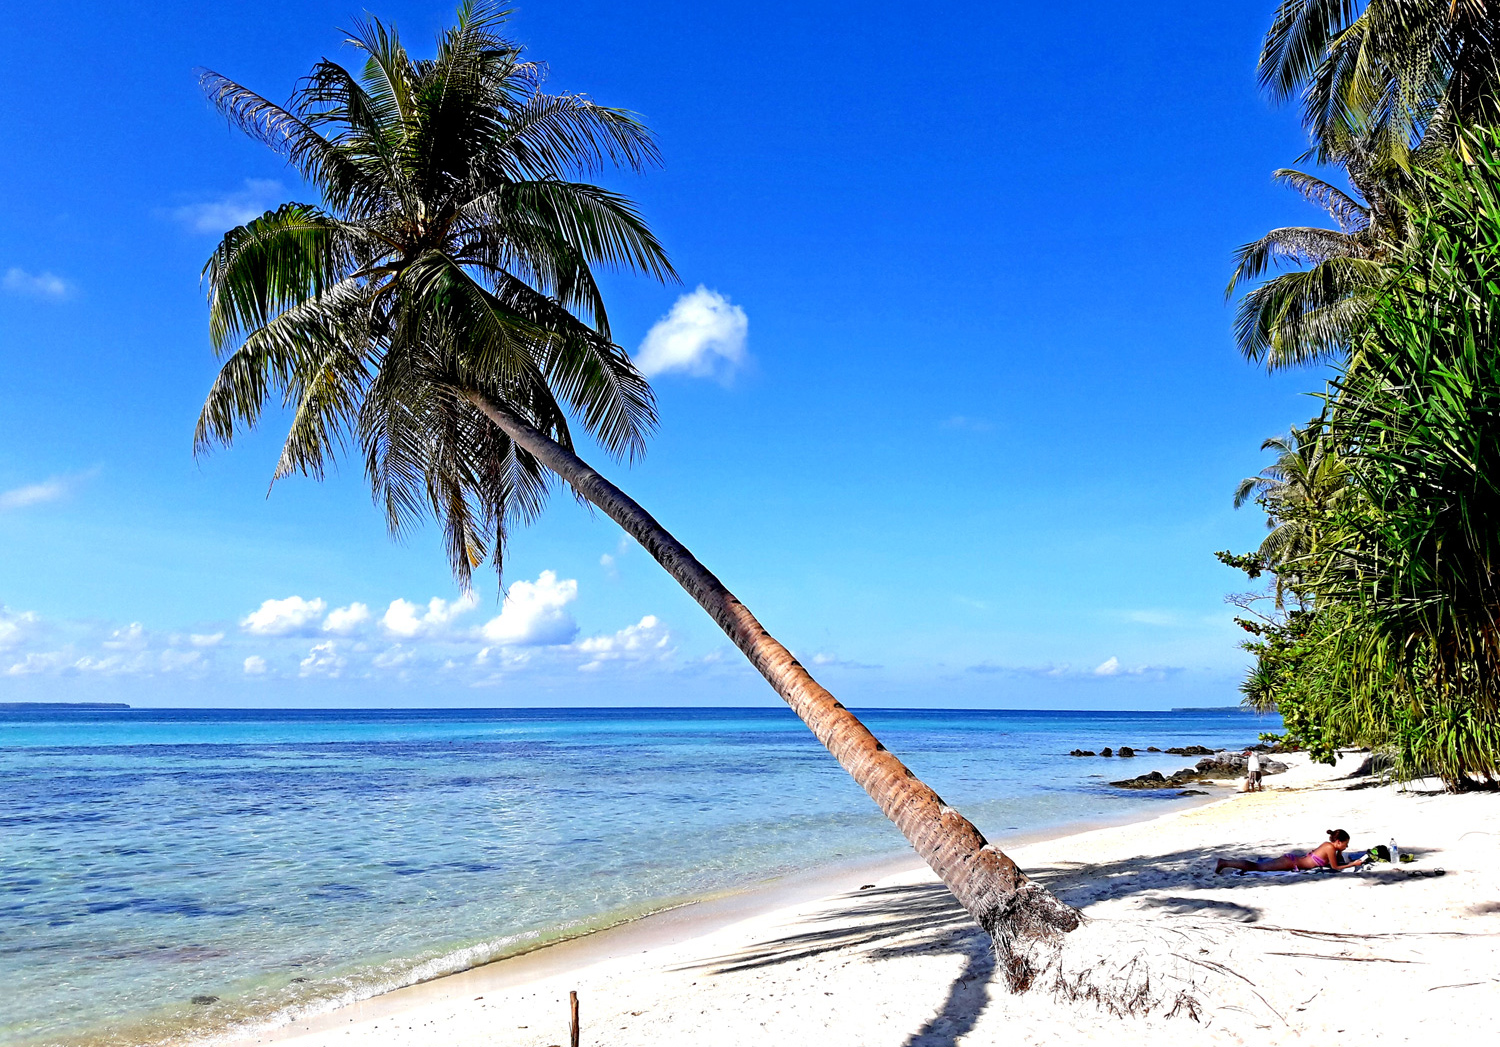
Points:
(1310, 315)
(1299, 492)
(428, 313)
(1395, 72)
(1387, 86)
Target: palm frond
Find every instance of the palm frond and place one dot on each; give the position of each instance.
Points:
(1351, 215)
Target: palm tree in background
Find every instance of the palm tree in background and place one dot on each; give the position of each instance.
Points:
(1309, 315)
(1386, 86)
(1299, 492)
(438, 311)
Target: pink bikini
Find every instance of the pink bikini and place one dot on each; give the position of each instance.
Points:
(1315, 857)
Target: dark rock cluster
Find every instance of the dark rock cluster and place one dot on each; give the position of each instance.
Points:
(1215, 765)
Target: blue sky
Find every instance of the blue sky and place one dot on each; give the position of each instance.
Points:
(969, 436)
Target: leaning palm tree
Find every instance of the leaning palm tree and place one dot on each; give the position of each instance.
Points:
(438, 310)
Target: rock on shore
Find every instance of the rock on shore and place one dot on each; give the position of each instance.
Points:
(1222, 764)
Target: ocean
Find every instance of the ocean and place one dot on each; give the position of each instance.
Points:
(169, 873)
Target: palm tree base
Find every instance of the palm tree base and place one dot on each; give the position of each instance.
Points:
(1027, 930)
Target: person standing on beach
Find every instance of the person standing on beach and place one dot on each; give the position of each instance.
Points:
(1252, 771)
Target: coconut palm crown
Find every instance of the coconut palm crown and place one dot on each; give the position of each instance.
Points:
(1310, 315)
(453, 248)
(1395, 72)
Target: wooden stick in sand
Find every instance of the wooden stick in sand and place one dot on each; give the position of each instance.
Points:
(573, 1019)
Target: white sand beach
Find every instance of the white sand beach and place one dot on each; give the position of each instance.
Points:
(1407, 954)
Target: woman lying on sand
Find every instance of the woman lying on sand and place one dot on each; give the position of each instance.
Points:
(1328, 855)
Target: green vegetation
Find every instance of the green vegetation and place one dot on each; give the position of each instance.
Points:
(1384, 620)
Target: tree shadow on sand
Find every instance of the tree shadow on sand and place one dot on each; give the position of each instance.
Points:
(887, 923)
(1082, 884)
(891, 922)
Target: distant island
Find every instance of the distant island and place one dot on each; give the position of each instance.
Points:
(1214, 709)
(63, 705)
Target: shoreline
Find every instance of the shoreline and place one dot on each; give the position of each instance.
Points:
(1169, 953)
(675, 924)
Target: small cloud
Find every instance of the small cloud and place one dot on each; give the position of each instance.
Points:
(611, 561)
(232, 209)
(703, 335)
(282, 617)
(37, 662)
(993, 669)
(967, 424)
(402, 618)
(393, 658)
(323, 660)
(533, 614)
(44, 285)
(833, 661)
(255, 665)
(344, 620)
(179, 661)
(49, 490)
(1110, 667)
(205, 639)
(130, 638)
(14, 626)
(645, 639)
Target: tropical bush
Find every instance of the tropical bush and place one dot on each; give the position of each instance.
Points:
(1386, 625)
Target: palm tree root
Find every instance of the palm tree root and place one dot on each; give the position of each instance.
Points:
(1027, 928)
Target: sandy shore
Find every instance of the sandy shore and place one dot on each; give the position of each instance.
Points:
(1409, 954)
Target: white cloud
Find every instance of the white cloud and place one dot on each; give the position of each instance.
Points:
(14, 626)
(401, 617)
(610, 561)
(49, 490)
(833, 661)
(393, 657)
(533, 614)
(282, 617)
(131, 638)
(205, 639)
(344, 620)
(703, 335)
(38, 662)
(39, 285)
(1107, 669)
(323, 660)
(647, 638)
(219, 216)
(255, 665)
(177, 661)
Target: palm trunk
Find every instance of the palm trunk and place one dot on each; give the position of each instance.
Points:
(1018, 913)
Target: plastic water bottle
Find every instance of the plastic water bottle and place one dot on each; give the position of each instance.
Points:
(1395, 853)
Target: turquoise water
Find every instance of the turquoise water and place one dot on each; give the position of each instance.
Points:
(283, 861)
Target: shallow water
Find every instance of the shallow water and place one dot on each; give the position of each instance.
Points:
(280, 861)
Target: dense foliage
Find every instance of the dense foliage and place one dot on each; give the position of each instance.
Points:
(1382, 623)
